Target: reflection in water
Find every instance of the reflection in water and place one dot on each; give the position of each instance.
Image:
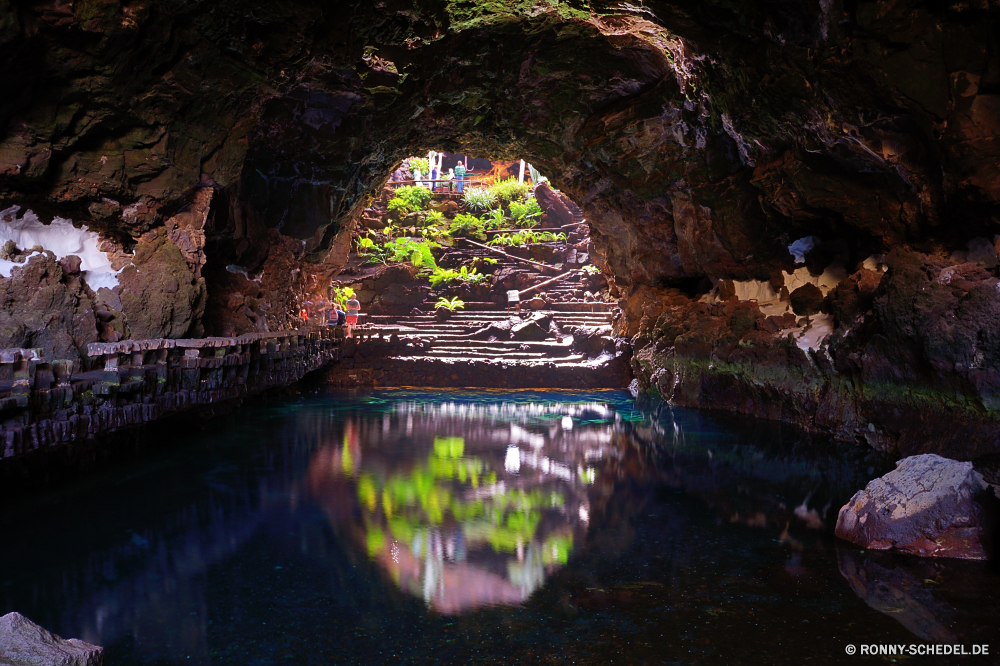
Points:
(466, 505)
(550, 526)
(928, 596)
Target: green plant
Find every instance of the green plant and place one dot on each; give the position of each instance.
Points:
(370, 251)
(420, 164)
(442, 277)
(525, 213)
(410, 199)
(527, 237)
(590, 269)
(343, 294)
(496, 219)
(479, 198)
(509, 190)
(452, 304)
(416, 252)
(466, 225)
(434, 217)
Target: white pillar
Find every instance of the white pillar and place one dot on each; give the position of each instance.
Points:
(520, 173)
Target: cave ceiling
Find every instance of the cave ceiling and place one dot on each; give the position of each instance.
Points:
(700, 137)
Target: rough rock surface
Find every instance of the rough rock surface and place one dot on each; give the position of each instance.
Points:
(24, 643)
(161, 295)
(700, 138)
(928, 506)
(43, 305)
(907, 361)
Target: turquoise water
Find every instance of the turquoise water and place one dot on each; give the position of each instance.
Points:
(479, 527)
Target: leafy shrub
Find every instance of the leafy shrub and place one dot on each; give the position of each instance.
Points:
(343, 294)
(421, 164)
(466, 225)
(370, 251)
(496, 219)
(525, 213)
(479, 198)
(452, 304)
(442, 277)
(527, 237)
(416, 252)
(410, 199)
(435, 217)
(509, 190)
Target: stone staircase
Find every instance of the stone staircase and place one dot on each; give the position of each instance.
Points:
(427, 337)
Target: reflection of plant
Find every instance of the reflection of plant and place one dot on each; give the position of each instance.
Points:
(410, 199)
(452, 304)
(479, 198)
(427, 497)
(509, 190)
(590, 269)
(525, 213)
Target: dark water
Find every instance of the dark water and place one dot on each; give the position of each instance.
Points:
(500, 527)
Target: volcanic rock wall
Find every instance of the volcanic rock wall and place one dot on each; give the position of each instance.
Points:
(701, 138)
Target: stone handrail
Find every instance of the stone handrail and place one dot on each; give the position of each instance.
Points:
(47, 402)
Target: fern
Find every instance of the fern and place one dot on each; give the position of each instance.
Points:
(525, 213)
(452, 304)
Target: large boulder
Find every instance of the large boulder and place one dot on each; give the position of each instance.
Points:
(24, 643)
(928, 506)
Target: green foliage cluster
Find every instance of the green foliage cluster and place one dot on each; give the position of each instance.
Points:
(416, 252)
(479, 198)
(343, 294)
(527, 237)
(442, 277)
(410, 199)
(466, 225)
(591, 269)
(451, 303)
(420, 164)
(525, 213)
(509, 190)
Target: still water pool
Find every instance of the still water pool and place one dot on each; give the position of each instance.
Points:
(405, 526)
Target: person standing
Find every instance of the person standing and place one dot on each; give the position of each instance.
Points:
(353, 310)
(434, 177)
(460, 175)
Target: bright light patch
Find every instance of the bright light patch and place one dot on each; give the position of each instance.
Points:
(800, 248)
(512, 463)
(62, 239)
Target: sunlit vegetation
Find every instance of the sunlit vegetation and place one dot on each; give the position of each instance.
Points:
(454, 303)
(526, 237)
(509, 190)
(409, 199)
(479, 198)
(442, 277)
